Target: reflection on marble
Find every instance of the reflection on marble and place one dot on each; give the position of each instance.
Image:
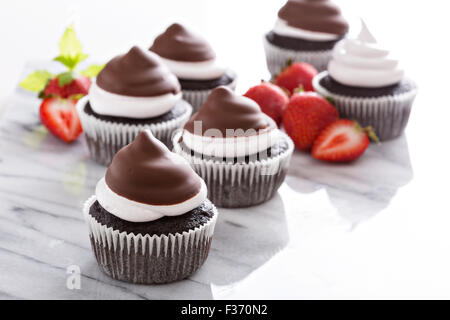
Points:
(309, 241)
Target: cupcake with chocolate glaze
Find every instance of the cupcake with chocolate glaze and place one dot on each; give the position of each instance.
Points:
(367, 84)
(305, 31)
(236, 148)
(194, 62)
(134, 91)
(150, 220)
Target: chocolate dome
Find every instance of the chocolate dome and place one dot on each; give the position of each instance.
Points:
(180, 44)
(314, 15)
(225, 109)
(137, 73)
(147, 172)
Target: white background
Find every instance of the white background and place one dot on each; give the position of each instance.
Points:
(417, 31)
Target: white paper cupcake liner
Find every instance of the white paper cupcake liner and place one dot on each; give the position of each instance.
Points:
(148, 259)
(388, 115)
(277, 57)
(105, 138)
(237, 185)
(197, 97)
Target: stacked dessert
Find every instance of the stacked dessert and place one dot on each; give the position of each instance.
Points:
(150, 220)
(367, 84)
(306, 31)
(134, 91)
(194, 62)
(237, 149)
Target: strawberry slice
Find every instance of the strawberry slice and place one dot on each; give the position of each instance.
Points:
(342, 141)
(61, 118)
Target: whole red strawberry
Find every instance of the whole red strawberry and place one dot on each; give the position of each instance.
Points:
(342, 141)
(75, 86)
(61, 118)
(296, 75)
(305, 116)
(271, 99)
(60, 92)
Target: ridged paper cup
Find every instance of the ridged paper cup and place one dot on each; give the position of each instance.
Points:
(277, 57)
(238, 185)
(146, 259)
(197, 97)
(105, 138)
(388, 115)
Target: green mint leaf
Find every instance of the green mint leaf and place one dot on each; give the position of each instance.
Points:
(92, 71)
(70, 49)
(65, 78)
(36, 81)
(69, 45)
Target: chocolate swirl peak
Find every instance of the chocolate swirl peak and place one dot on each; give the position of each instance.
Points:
(147, 172)
(180, 44)
(224, 110)
(314, 15)
(137, 73)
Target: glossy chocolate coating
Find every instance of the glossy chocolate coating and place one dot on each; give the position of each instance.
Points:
(180, 44)
(147, 172)
(224, 110)
(314, 15)
(137, 73)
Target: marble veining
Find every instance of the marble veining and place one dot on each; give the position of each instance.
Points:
(298, 245)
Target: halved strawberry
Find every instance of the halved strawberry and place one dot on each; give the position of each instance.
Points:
(342, 141)
(73, 86)
(61, 118)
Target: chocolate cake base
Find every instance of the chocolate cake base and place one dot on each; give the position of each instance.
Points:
(280, 50)
(145, 259)
(300, 44)
(226, 79)
(406, 85)
(176, 224)
(178, 110)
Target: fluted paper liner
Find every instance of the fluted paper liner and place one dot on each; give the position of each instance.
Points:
(149, 259)
(388, 115)
(236, 185)
(197, 97)
(277, 57)
(105, 138)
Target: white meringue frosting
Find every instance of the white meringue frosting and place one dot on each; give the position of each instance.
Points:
(361, 62)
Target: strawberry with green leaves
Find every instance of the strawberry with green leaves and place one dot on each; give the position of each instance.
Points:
(60, 92)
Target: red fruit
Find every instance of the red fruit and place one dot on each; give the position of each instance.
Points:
(271, 99)
(79, 86)
(296, 75)
(61, 118)
(342, 141)
(306, 115)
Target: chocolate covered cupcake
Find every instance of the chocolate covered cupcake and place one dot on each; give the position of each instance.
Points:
(194, 62)
(306, 31)
(367, 84)
(237, 149)
(133, 92)
(150, 220)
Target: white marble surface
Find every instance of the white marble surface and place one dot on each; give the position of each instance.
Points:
(378, 228)
(333, 231)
